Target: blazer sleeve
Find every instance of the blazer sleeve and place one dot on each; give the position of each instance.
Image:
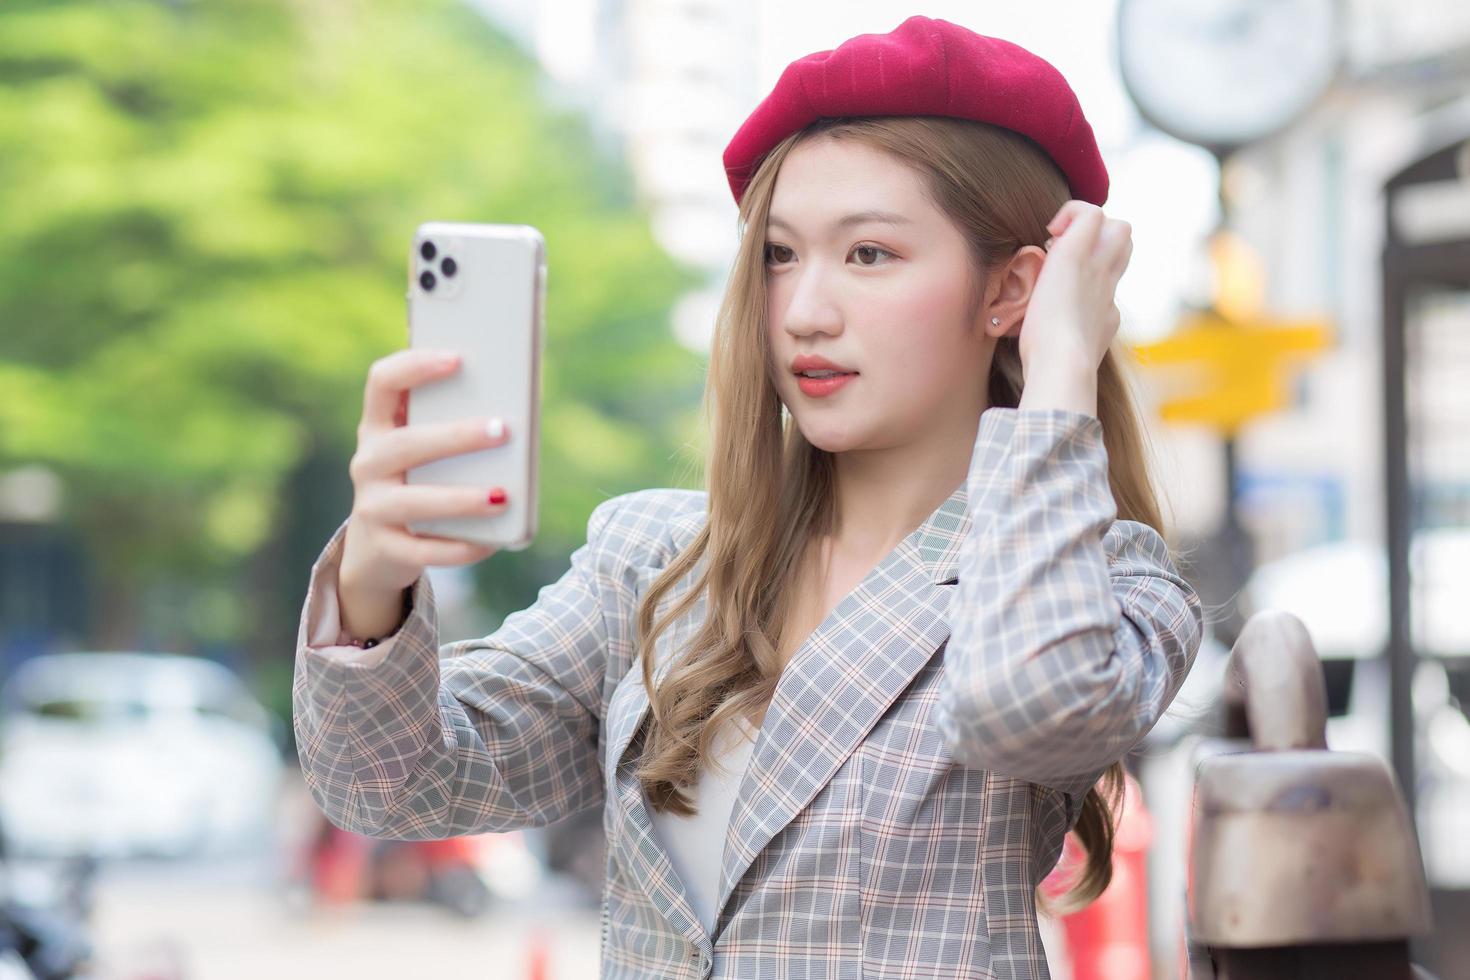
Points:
(411, 741)
(1071, 631)
(323, 614)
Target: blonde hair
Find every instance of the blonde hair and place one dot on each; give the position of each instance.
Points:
(770, 491)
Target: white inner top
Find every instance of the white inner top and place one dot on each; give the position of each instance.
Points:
(696, 844)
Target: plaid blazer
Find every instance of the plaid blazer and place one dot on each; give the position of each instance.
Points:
(925, 753)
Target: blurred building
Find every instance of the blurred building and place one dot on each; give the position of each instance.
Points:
(42, 567)
(1311, 202)
(664, 84)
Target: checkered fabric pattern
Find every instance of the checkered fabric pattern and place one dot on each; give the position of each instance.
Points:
(924, 755)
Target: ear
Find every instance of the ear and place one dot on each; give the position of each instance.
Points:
(1009, 291)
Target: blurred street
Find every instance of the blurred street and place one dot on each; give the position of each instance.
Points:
(239, 920)
(237, 929)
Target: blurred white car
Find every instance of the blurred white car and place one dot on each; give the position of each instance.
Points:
(135, 754)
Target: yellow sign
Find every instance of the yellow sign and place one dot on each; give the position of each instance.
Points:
(1233, 361)
(1237, 369)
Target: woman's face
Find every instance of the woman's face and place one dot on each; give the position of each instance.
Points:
(885, 298)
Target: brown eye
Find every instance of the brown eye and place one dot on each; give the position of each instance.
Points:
(772, 249)
(871, 248)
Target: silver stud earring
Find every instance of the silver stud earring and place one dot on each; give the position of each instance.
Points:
(995, 320)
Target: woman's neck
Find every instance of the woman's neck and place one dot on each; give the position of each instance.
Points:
(883, 495)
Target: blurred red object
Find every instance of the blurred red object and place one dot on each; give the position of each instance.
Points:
(453, 850)
(1108, 940)
(337, 864)
(538, 956)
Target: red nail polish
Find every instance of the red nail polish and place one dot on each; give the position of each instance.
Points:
(497, 496)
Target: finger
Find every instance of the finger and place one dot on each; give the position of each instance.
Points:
(1080, 234)
(389, 379)
(402, 504)
(393, 451)
(1115, 247)
(1113, 234)
(1063, 217)
(1127, 256)
(1068, 213)
(425, 550)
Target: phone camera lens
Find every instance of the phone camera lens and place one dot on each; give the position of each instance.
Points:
(426, 279)
(428, 251)
(448, 266)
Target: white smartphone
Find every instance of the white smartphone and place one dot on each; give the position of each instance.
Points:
(480, 290)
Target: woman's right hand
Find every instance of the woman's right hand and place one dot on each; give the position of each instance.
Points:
(381, 557)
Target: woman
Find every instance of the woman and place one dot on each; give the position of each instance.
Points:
(932, 595)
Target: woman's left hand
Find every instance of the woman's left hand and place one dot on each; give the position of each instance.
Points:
(1072, 316)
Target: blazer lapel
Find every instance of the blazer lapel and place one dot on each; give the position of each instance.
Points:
(842, 679)
(832, 691)
(634, 840)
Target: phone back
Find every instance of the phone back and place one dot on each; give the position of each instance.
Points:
(480, 289)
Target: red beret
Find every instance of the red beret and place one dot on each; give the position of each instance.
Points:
(927, 67)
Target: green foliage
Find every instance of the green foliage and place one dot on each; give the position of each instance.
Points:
(207, 208)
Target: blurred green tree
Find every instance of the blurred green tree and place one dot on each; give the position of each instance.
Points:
(207, 208)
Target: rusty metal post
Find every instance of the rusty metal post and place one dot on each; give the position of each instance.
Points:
(1303, 862)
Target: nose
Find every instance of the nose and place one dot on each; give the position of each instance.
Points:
(810, 306)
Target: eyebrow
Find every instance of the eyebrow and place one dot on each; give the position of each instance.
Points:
(872, 215)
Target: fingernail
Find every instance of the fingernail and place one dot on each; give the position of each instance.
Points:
(497, 496)
(495, 428)
(447, 359)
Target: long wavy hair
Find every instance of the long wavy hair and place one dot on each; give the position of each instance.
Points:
(770, 491)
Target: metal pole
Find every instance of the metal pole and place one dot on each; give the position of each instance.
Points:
(1237, 555)
(1400, 523)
